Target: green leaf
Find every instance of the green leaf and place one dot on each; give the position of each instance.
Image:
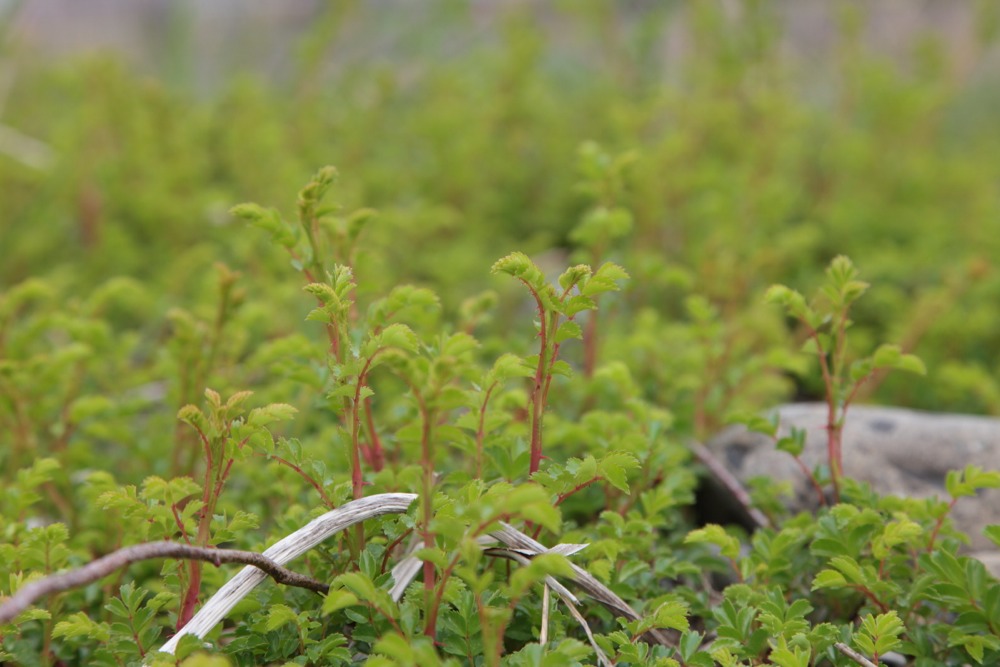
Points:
(560, 367)
(269, 220)
(510, 366)
(520, 266)
(793, 302)
(397, 336)
(794, 443)
(605, 279)
(672, 615)
(891, 356)
(900, 531)
(574, 275)
(323, 292)
(193, 416)
(879, 634)
(277, 616)
(614, 467)
(338, 599)
(766, 425)
(577, 304)
(715, 534)
(849, 568)
(88, 407)
(80, 625)
(567, 330)
(967, 482)
(828, 579)
(271, 413)
(435, 555)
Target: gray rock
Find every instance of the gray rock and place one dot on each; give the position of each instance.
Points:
(900, 452)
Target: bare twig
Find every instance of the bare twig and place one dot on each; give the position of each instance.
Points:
(727, 479)
(102, 567)
(854, 655)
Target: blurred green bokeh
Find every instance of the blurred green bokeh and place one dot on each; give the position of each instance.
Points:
(757, 162)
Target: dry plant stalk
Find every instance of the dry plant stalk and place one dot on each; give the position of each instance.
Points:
(287, 549)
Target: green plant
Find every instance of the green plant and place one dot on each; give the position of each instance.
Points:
(826, 322)
(126, 291)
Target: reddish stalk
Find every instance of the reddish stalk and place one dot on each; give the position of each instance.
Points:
(590, 345)
(357, 479)
(832, 426)
(427, 497)
(304, 475)
(481, 431)
(938, 524)
(537, 398)
(430, 628)
(377, 452)
(812, 480)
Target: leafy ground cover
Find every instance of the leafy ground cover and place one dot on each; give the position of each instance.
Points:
(528, 331)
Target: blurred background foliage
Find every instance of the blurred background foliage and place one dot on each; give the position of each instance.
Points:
(757, 141)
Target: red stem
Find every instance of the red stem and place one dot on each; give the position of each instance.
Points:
(377, 453)
(590, 344)
(871, 596)
(537, 399)
(427, 498)
(304, 475)
(938, 524)
(812, 479)
(180, 524)
(481, 431)
(430, 629)
(357, 479)
(578, 487)
(832, 427)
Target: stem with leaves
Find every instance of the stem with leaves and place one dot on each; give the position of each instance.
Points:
(826, 321)
(580, 284)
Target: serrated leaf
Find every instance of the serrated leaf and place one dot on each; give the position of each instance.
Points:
(338, 599)
(560, 367)
(398, 336)
(574, 275)
(715, 534)
(828, 579)
(277, 616)
(766, 425)
(577, 304)
(794, 443)
(793, 302)
(615, 468)
(434, 555)
(520, 266)
(510, 366)
(605, 279)
(271, 413)
(567, 330)
(80, 625)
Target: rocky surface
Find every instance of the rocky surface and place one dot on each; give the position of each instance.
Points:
(901, 452)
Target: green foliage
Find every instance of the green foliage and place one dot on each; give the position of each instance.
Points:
(168, 371)
(826, 321)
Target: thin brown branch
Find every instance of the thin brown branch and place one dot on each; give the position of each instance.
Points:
(854, 655)
(719, 471)
(102, 567)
